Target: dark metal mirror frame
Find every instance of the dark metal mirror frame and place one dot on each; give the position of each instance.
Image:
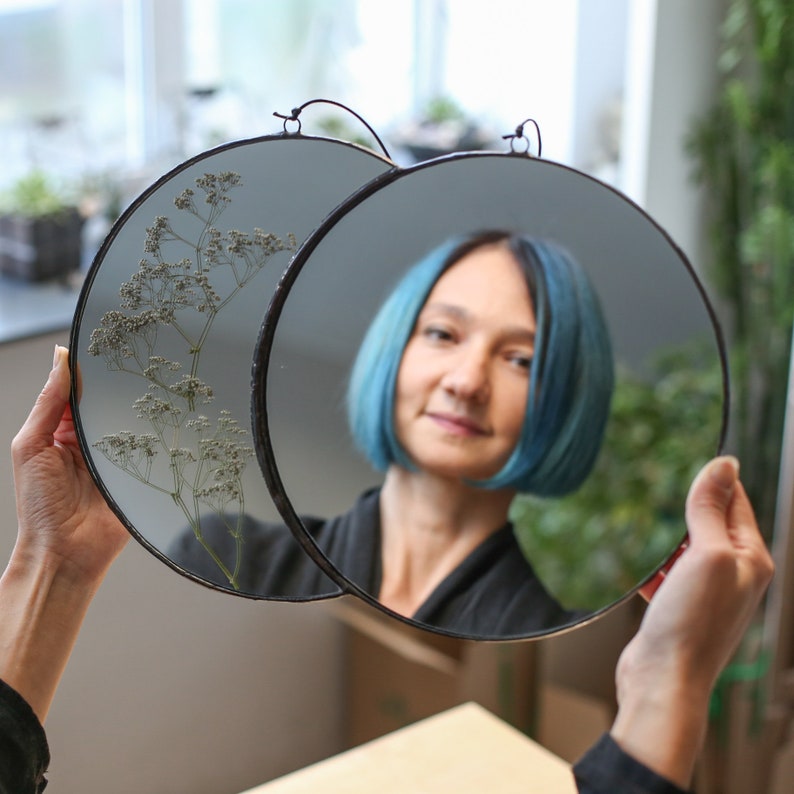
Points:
(75, 339)
(259, 397)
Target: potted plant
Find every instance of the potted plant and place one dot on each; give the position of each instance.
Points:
(443, 127)
(40, 230)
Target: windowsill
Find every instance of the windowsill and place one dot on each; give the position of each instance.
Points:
(29, 309)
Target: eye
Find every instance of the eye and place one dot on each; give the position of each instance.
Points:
(520, 360)
(438, 333)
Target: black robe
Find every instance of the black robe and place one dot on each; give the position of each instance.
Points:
(493, 594)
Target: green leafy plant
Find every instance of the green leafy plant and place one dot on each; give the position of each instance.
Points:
(180, 298)
(35, 195)
(743, 152)
(443, 108)
(339, 128)
(593, 546)
(40, 228)
(440, 127)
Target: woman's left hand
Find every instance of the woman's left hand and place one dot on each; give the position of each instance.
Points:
(67, 539)
(63, 518)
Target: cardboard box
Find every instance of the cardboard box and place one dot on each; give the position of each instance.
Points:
(570, 722)
(462, 751)
(398, 674)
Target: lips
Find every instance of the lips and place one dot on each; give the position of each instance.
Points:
(457, 424)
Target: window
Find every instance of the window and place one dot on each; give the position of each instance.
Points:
(109, 94)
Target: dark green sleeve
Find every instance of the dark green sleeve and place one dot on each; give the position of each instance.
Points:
(24, 754)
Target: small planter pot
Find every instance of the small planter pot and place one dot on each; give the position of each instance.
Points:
(37, 249)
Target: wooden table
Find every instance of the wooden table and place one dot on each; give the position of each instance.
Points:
(465, 749)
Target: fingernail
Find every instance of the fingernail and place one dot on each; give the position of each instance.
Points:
(59, 356)
(725, 472)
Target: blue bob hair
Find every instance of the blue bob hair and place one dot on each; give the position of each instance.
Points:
(571, 378)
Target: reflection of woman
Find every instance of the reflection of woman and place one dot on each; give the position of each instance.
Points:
(68, 538)
(487, 371)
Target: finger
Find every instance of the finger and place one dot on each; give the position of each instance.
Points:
(710, 499)
(746, 535)
(741, 518)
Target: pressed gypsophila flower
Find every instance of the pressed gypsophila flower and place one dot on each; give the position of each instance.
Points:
(206, 458)
(199, 424)
(129, 450)
(239, 242)
(156, 366)
(184, 201)
(189, 388)
(162, 286)
(181, 453)
(216, 187)
(228, 424)
(219, 495)
(213, 247)
(154, 234)
(110, 337)
(120, 335)
(233, 455)
(154, 408)
(270, 243)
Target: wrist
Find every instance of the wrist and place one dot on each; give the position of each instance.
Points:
(662, 723)
(37, 558)
(45, 572)
(43, 601)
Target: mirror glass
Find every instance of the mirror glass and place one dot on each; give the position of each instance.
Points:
(164, 337)
(587, 550)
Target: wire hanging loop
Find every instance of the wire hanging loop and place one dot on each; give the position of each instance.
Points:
(295, 114)
(518, 136)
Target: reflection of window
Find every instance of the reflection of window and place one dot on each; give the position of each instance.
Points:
(109, 94)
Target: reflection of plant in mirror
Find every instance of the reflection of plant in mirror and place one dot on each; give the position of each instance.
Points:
(592, 547)
(205, 458)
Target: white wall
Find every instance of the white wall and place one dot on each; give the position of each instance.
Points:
(671, 78)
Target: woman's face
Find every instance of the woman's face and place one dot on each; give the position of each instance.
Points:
(464, 376)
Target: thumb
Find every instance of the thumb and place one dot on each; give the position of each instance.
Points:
(50, 405)
(710, 498)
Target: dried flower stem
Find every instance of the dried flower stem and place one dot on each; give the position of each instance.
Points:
(205, 459)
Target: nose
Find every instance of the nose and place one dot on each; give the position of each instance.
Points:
(467, 377)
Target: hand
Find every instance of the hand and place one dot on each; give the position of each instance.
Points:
(692, 626)
(66, 541)
(63, 519)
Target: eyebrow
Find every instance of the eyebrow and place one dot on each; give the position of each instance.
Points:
(518, 332)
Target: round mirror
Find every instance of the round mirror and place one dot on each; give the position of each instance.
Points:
(164, 338)
(637, 396)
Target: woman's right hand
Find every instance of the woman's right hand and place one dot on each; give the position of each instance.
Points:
(64, 521)
(692, 626)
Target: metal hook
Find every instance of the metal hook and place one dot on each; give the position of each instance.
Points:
(293, 116)
(518, 135)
